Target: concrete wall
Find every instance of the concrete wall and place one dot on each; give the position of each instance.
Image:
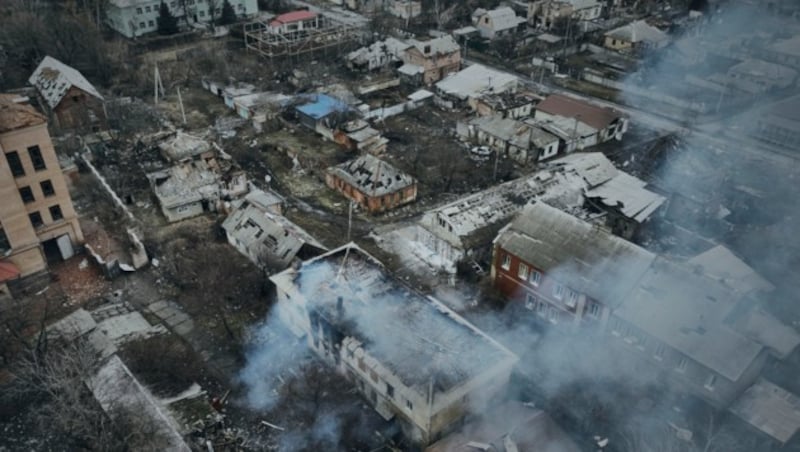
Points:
(372, 204)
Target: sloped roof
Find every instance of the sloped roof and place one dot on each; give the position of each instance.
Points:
(475, 80)
(294, 16)
(579, 255)
(638, 31)
(721, 264)
(372, 175)
(441, 45)
(15, 114)
(53, 79)
(504, 18)
(595, 116)
(688, 312)
(769, 408)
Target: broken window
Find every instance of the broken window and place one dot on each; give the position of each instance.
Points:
(522, 271)
(390, 390)
(36, 219)
(47, 188)
(138, 10)
(535, 278)
(15, 164)
(55, 213)
(36, 158)
(531, 302)
(27, 195)
(5, 245)
(506, 265)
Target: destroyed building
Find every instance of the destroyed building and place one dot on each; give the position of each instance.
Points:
(461, 230)
(357, 135)
(196, 184)
(697, 331)
(379, 54)
(257, 229)
(71, 101)
(413, 359)
(507, 105)
(373, 184)
(38, 223)
(429, 61)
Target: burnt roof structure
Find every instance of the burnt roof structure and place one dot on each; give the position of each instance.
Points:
(372, 176)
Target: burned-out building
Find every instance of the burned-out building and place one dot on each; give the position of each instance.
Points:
(379, 54)
(257, 229)
(194, 186)
(413, 359)
(72, 102)
(373, 184)
(520, 141)
(609, 123)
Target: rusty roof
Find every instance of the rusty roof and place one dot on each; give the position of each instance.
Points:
(593, 115)
(16, 113)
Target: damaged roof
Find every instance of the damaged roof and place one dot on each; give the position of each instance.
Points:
(53, 79)
(16, 113)
(581, 256)
(185, 183)
(183, 146)
(390, 47)
(268, 238)
(638, 31)
(420, 340)
(593, 115)
(372, 176)
(442, 45)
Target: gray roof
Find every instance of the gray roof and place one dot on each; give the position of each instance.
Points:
(475, 80)
(503, 18)
(268, 238)
(638, 31)
(372, 176)
(53, 79)
(579, 255)
(442, 45)
(721, 264)
(688, 312)
(388, 47)
(769, 408)
(418, 338)
(767, 330)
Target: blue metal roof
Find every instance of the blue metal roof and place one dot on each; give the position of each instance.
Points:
(322, 106)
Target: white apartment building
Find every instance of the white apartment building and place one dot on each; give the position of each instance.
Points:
(134, 18)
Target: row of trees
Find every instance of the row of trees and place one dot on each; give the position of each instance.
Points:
(168, 23)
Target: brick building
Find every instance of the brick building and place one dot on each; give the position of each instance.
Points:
(372, 183)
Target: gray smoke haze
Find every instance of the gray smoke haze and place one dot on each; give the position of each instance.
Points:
(715, 168)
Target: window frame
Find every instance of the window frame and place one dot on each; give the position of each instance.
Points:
(506, 262)
(26, 193)
(15, 164)
(522, 271)
(56, 214)
(37, 159)
(40, 221)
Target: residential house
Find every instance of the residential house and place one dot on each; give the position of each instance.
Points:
(192, 187)
(432, 60)
(295, 22)
(260, 106)
(257, 229)
(376, 331)
(508, 427)
(759, 76)
(609, 123)
(70, 100)
(373, 184)
(132, 18)
(357, 135)
(573, 135)
(468, 85)
(38, 223)
(698, 332)
(502, 21)
(405, 9)
(637, 35)
(378, 55)
(507, 105)
(515, 139)
(546, 13)
(323, 114)
(779, 123)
